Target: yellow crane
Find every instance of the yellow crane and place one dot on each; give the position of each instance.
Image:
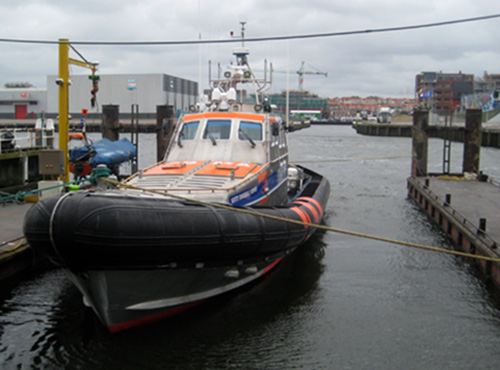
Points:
(63, 83)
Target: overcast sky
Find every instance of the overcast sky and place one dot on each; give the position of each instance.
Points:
(382, 64)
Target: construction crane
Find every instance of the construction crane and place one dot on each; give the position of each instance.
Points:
(301, 72)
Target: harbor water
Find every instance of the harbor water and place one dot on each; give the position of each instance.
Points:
(339, 302)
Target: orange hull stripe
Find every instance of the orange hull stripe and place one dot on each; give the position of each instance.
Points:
(310, 207)
(313, 201)
(303, 216)
(262, 176)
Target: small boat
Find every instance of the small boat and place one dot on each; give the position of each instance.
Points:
(221, 210)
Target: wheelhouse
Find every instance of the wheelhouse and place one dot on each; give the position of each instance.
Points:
(225, 136)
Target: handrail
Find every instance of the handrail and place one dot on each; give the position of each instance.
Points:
(25, 138)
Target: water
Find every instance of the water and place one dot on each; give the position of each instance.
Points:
(339, 302)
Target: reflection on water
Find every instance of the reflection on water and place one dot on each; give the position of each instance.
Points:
(45, 324)
(338, 302)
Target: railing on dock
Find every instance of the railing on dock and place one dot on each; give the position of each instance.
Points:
(420, 196)
(18, 139)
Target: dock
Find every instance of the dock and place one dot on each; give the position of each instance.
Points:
(16, 256)
(467, 212)
(490, 131)
(465, 205)
(145, 125)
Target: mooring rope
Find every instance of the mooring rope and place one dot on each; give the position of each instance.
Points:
(351, 159)
(322, 227)
(17, 246)
(92, 178)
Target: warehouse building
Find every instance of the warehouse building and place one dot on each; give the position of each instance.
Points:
(146, 90)
(21, 100)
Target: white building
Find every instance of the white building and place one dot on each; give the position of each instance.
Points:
(22, 100)
(146, 90)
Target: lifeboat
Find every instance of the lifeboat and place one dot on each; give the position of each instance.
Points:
(222, 209)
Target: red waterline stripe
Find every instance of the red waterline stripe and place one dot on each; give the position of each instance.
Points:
(161, 315)
(149, 319)
(270, 267)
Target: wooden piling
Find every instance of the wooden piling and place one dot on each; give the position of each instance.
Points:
(165, 121)
(472, 140)
(110, 122)
(420, 143)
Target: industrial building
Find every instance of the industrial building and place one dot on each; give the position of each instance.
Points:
(146, 90)
(22, 100)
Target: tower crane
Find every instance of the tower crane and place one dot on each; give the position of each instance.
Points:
(301, 72)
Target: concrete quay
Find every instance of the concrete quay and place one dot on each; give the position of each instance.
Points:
(490, 131)
(16, 256)
(147, 125)
(467, 212)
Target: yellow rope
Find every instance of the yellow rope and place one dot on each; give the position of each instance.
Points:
(10, 241)
(20, 244)
(350, 159)
(322, 227)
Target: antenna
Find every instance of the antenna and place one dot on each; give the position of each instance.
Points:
(242, 33)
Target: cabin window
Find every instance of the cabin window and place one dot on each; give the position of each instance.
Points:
(252, 130)
(189, 129)
(218, 130)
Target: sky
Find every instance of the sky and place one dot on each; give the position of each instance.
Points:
(369, 64)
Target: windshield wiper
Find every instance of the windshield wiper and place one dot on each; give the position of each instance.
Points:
(179, 139)
(243, 133)
(212, 139)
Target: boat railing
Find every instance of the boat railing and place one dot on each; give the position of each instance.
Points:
(19, 139)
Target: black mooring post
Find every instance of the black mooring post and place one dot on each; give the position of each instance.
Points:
(482, 225)
(472, 140)
(165, 122)
(420, 143)
(111, 122)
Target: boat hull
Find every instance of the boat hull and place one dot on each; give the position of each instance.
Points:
(123, 299)
(138, 258)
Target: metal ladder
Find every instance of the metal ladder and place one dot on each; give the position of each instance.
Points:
(134, 117)
(447, 145)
